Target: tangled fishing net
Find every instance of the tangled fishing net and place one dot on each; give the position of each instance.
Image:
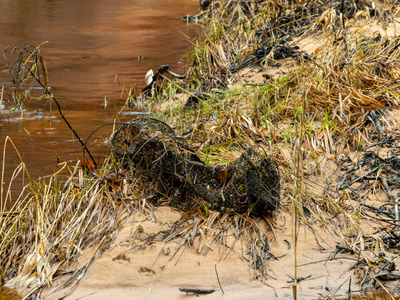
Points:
(152, 149)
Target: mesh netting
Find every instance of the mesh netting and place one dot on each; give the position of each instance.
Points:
(150, 146)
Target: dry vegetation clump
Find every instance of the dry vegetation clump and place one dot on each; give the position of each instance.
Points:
(242, 33)
(149, 148)
(49, 227)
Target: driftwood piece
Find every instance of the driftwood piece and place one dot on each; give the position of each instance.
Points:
(150, 146)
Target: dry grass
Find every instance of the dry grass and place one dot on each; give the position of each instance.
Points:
(44, 233)
(338, 102)
(312, 117)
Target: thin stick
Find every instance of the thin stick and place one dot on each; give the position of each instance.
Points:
(396, 210)
(154, 261)
(180, 256)
(216, 272)
(349, 290)
(46, 91)
(70, 127)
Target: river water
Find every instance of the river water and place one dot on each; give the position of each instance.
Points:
(92, 54)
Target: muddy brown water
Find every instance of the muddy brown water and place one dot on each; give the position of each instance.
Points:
(89, 44)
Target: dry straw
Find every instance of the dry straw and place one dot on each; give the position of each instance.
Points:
(324, 110)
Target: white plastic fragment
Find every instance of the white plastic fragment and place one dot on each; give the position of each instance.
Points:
(149, 77)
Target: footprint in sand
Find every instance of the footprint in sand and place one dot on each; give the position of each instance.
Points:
(146, 270)
(121, 257)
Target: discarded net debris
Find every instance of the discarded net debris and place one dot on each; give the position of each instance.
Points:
(151, 147)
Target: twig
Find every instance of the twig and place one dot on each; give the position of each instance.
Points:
(325, 260)
(154, 261)
(285, 240)
(349, 289)
(298, 279)
(46, 91)
(396, 211)
(197, 291)
(377, 124)
(180, 255)
(388, 141)
(216, 272)
(385, 265)
(378, 210)
(359, 178)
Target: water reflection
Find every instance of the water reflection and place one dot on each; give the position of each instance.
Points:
(89, 44)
